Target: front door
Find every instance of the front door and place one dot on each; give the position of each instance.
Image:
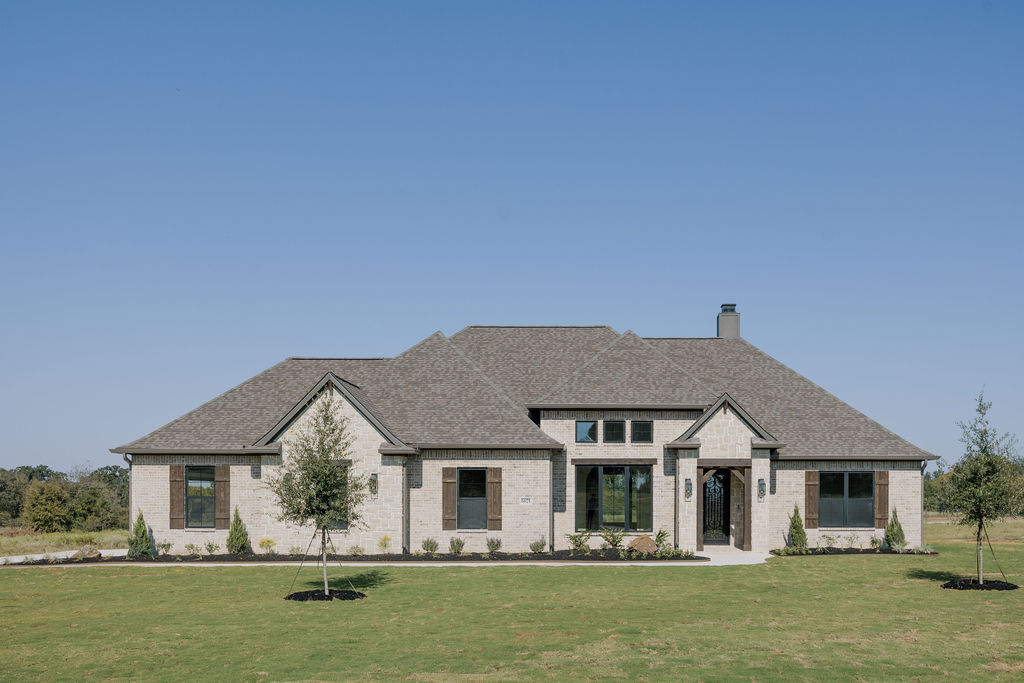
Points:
(716, 508)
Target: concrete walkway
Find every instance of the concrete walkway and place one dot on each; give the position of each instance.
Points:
(719, 557)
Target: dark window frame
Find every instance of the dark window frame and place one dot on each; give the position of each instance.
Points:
(459, 498)
(600, 495)
(604, 430)
(823, 522)
(212, 498)
(632, 431)
(596, 430)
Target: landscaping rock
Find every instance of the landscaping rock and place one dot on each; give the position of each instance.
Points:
(643, 544)
(88, 552)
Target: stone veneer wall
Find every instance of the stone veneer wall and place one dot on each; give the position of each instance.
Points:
(787, 488)
(525, 498)
(561, 426)
(382, 514)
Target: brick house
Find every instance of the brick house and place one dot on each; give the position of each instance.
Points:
(526, 433)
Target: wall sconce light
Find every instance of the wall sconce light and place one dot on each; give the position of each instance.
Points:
(761, 489)
(688, 488)
(373, 484)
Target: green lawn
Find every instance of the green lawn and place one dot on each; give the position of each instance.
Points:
(805, 617)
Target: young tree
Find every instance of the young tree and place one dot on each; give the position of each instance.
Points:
(46, 507)
(797, 535)
(238, 537)
(139, 542)
(985, 484)
(313, 486)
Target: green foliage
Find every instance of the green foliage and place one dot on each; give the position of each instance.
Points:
(384, 544)
(356, 550)
(894, 536)
(612, 537)
(828, 541)
(455, 546)
(211, 548)
(429, 545)
(579, 542)
(797, 535)
(661, 540)
(876, 543)
(493, 544)
(238, 538)
(312, 486)
(267, 544)
(192, 549)
(538, 545)
(46, 507)
(139, 542)
(95, 500)
(163, 548)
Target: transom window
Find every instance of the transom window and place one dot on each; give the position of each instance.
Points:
(642, 431)
(586, 431)
(846, 499)
(472, 506)
(615, 496)
(200, 501)
(614, 431)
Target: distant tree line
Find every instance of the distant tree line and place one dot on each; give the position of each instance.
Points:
(936, 486)
(39, 497)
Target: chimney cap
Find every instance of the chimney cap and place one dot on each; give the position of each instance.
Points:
(728, 308)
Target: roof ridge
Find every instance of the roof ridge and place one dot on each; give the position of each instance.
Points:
(831, 395)
(338, 358)
(678, 367)
(420, 343)
(501, 392)
(578, 368)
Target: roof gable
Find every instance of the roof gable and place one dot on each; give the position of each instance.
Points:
(629, 372)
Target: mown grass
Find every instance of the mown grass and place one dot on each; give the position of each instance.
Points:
(14, 542)
(846, 617)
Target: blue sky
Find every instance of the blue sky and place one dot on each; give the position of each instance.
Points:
(190, 193)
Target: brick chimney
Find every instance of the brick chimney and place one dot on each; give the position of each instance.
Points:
(728, 322)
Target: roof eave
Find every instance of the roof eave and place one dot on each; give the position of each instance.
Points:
(552, 446)
(617, 406)
(269, 449)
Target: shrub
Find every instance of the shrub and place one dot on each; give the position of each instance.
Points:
(797, 535)
(356, 550)
(493, 545)
(191, 549)
(852, 541)
(384, 544)
(894, 534)
(238, 539)
(211, 548)
(876, 543)
(580, 542)
(456, 545)
(612, 537)
(296, 550)
(267, 545)
(661, 540)
(537, 546)
(430, 545)
(45, 507)
(139, 542)
(163, 548)
(828, 541)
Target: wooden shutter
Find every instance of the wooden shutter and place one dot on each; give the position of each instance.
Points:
(811, 499)
(177, 479)
(881, 498)
(449, 497)
(222, 490)
(494, 499)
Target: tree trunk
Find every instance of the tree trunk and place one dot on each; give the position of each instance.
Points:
(981, 576)
(323, 554)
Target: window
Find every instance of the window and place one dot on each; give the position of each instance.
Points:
(614, 431)
(586, 432)
(200, 502)
(472, 508)
(846, 499)
(615, 496)
(642, 431)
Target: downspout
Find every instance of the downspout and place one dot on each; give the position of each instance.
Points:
(125, 457)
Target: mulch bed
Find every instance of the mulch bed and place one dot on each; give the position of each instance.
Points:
(336, 594)
(846, 551)
(973, 585)
(557, 556)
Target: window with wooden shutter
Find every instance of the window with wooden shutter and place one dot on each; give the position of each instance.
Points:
(494, 498)
(449, 497)
(811, 499)
(222, 491)
(881, 498)
(177, 479)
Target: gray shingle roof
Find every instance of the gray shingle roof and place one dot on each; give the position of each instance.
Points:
(629, 371)
(472, 389)
(809, 420)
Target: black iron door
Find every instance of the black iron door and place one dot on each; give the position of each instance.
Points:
(716, 508)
